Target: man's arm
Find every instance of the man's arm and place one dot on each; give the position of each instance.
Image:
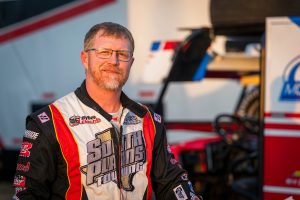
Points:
(170, 181)
(35, 168)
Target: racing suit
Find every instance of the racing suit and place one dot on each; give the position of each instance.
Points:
(72, 150)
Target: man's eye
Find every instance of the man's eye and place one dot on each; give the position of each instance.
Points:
(104, 53)
(124, 54)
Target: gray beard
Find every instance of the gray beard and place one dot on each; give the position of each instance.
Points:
(110, 85)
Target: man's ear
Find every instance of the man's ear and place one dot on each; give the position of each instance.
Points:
(84, 59)
(132, 60)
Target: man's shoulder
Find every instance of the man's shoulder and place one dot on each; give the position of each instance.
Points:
(41, 115)
(157, 118)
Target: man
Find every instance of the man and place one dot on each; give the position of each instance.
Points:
(96, 143)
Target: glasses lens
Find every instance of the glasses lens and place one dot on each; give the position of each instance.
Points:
(124, 55)
(104, 53)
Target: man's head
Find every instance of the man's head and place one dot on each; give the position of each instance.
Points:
(107, 55)
(107, 29)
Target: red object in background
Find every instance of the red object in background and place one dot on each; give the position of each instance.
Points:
(1, 144)
(275, 196)
(145, 94)
(171, 44)
(198, 145)
(48, 95)
(192, 126)
(281, 157)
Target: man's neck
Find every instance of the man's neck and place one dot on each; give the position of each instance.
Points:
(109, 100)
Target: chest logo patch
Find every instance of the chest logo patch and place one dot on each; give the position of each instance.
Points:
(102, 159)
(76, 120)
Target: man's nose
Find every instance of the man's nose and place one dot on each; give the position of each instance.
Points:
(114, 58)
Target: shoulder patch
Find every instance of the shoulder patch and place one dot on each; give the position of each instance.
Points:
(43, 117)
(31, 134)
(180, 193)
(157, 117)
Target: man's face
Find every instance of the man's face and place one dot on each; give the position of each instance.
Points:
(107, 73)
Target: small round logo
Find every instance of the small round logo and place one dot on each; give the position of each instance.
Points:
(291, 81)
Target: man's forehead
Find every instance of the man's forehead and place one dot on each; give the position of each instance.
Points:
(103, 33)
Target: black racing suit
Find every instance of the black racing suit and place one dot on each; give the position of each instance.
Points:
(72, 150)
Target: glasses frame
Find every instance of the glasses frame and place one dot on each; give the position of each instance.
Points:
(111, 50)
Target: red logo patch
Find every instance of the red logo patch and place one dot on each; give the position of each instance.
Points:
(26, 146)
(43, 117)
(19, 181)
(23, 167)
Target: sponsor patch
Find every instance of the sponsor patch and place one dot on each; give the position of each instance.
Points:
(179, 193)
(19, 189)
(157, 117)
(191, 186)
(115, 119)
(26, 146)
(169, 149)
(15, 198)
(23, 167)
(131, 120)
(43, 117)
(31, 134)
(184, 177)
(76, 120)
(194, 197)
(173, 161)
(19, 181)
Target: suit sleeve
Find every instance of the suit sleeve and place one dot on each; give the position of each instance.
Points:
(35, 167)
(170, 180)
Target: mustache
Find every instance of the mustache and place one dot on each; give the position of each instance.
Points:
(110, 68)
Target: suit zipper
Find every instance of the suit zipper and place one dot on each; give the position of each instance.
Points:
(119, 140)
(119, 161)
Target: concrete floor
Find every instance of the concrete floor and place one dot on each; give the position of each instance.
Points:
(6, 190)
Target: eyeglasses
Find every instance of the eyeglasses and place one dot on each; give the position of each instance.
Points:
(123, 55)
